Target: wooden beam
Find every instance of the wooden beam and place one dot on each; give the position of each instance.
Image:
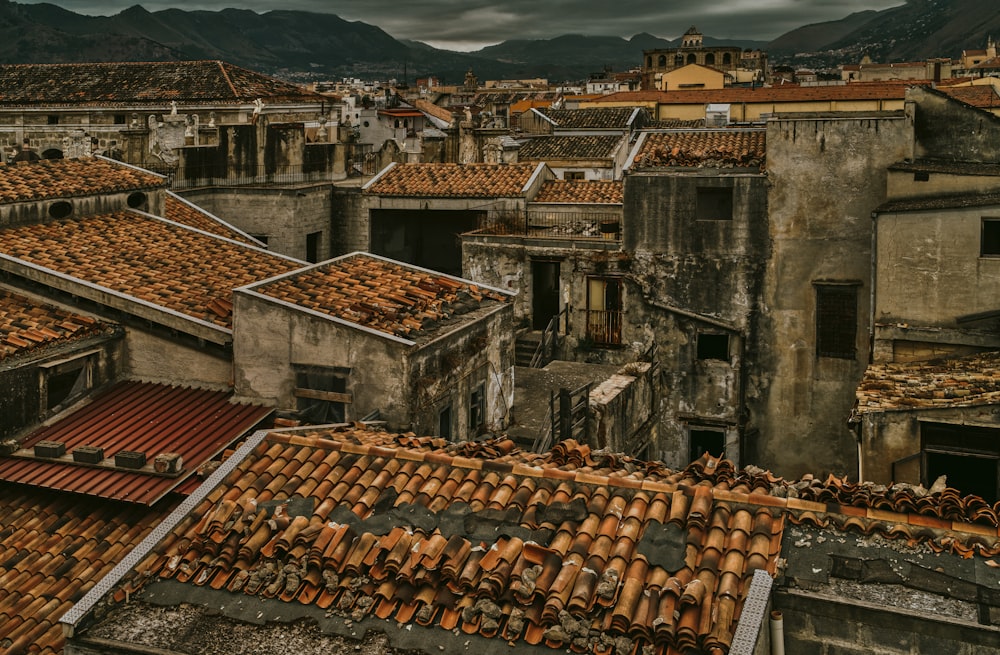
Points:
(332, 396)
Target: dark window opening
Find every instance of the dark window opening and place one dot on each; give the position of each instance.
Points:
(119, 119)
(63, 386)
(991, 237)
(710, 59)
(921, 176)
(691, 58)
(713, 346)
(836, 320)
(260, 237)
(444, 422)
(321, 394)
(52, 119)
(136, 199)
(662, 61)
(312, 246)
(712, 442)
(727, 59)
(60, 209)
(574, 175)
(714, 204)
(968, 455)
(477, 409)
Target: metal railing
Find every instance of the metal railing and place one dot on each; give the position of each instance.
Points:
(568, 418)
(555, 224)
(546, 349)
(604, 327)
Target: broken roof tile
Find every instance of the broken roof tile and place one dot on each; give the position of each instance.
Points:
(729, 148)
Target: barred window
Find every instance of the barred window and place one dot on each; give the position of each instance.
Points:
(836, 320)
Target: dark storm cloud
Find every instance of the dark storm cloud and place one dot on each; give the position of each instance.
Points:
(465, 23)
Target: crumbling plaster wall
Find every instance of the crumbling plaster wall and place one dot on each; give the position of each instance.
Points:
(446, 371)
(269, 339)
(826, 175)
(947, 129)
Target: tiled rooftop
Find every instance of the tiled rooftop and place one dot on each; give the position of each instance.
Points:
(785, 93)
(981, 96)
(702, 148)
(569, 549)
(54, 547)
(556, 550)
(959, 382)
(452, 180)
(948, 167)
(28, 326)
(590, 118)
(569, 147)
(148, 259)
(430, 108)
(63, 178)
(131, 84)
(180, 210)
(196, 424)
(596, 192)
(940, 202)
(381, 294)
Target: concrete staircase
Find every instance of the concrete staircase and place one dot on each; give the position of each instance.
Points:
(525, 346)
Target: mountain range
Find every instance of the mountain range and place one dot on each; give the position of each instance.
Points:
(304, 45)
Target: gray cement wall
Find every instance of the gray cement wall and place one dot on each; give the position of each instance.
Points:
(283, 215)
(948, 129)
(155, 358)
(826, 176)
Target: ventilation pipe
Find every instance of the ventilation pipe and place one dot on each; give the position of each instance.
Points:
(777, 633)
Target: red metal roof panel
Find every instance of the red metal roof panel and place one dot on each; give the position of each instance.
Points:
(150, 418)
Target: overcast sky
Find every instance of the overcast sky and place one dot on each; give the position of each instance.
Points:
(472, 24)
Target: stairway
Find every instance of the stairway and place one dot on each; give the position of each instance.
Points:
(525, 346)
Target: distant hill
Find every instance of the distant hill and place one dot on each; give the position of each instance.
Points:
(300, 45)
(917, 30)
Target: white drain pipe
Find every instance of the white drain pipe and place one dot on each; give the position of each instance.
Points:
(777, 633)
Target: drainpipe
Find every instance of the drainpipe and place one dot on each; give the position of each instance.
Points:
(777, 633)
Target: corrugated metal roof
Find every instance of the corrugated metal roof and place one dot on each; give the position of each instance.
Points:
(137, 416)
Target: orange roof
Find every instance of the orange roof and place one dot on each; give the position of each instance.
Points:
(27, 325)
(381, 294)
(434, 110)
(148, 259)
(180, 210)
(598, 192)
(729, 148)
(784, 93)
(452, 180)
(958, 382)
(61, 178)
(571, 548)
(55, 547)
(980, 95)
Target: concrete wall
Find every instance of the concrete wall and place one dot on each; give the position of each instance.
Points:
(947, 129)
(156, 358)
(929, 269)
(826, 177)
(624, 408)
(405, 383)
(285, 216)
(350, 231)
(901, 184)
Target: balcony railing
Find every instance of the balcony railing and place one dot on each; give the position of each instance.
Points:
(553, 224)
(604, 327)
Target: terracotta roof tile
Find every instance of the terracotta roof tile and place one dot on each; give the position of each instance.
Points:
(982, 96)
(453, 180)
(434, 110)
(702, 148)
(142, 83)
(960, 382)
(180, 210)
(61, 178)
(146, 258)
(381, 294)
(28, 325)
(598, 192)
(569, 147)
(590, 118)
(53, 548)
(785, 93)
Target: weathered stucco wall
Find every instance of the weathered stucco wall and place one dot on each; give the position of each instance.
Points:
(929, 269)
(947, 129)
(270, 339)
(284, 216)
(826, 177)
(152, 357)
